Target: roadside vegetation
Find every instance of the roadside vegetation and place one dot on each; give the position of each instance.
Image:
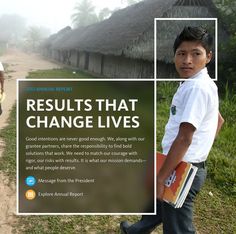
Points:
(58, 73)
(215, 205)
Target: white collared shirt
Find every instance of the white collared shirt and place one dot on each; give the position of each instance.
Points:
(1, 67)
(195, 102)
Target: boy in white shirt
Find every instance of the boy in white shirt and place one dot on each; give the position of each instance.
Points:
(193, 124)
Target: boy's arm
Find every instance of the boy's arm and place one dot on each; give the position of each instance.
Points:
(220, 123)
(175, 155)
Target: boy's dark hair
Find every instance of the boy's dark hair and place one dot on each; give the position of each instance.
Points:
(194, 34)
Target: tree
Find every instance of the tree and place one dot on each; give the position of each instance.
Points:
(84, 14)
(34, 37)
(227, 69)
(227, 9)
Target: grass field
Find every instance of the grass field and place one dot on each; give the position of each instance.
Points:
(215, 209)
(59, 73)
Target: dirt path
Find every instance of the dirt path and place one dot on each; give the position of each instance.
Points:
(19, 65)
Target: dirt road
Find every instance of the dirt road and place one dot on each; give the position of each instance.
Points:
(19, 64)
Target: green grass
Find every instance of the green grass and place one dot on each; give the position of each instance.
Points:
(8, 160)
(215, 210)
(59, 73)
(215, 206)
(222, 159)
(73, 224)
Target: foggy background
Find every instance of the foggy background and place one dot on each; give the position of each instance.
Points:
(26, 21)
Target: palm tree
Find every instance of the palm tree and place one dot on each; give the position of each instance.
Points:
(84, 14)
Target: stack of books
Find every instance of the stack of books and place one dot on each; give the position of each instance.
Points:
(178, 184)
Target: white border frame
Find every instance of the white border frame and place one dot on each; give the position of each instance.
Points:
(155, 52)
(17, 146)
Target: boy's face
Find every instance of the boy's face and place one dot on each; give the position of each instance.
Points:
(190, 58)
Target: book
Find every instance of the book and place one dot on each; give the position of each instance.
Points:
(178, 184)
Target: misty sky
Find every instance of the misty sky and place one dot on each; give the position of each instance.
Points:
(53, 14)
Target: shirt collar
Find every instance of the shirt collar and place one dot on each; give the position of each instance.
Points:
(198, 75)
(201, 73)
